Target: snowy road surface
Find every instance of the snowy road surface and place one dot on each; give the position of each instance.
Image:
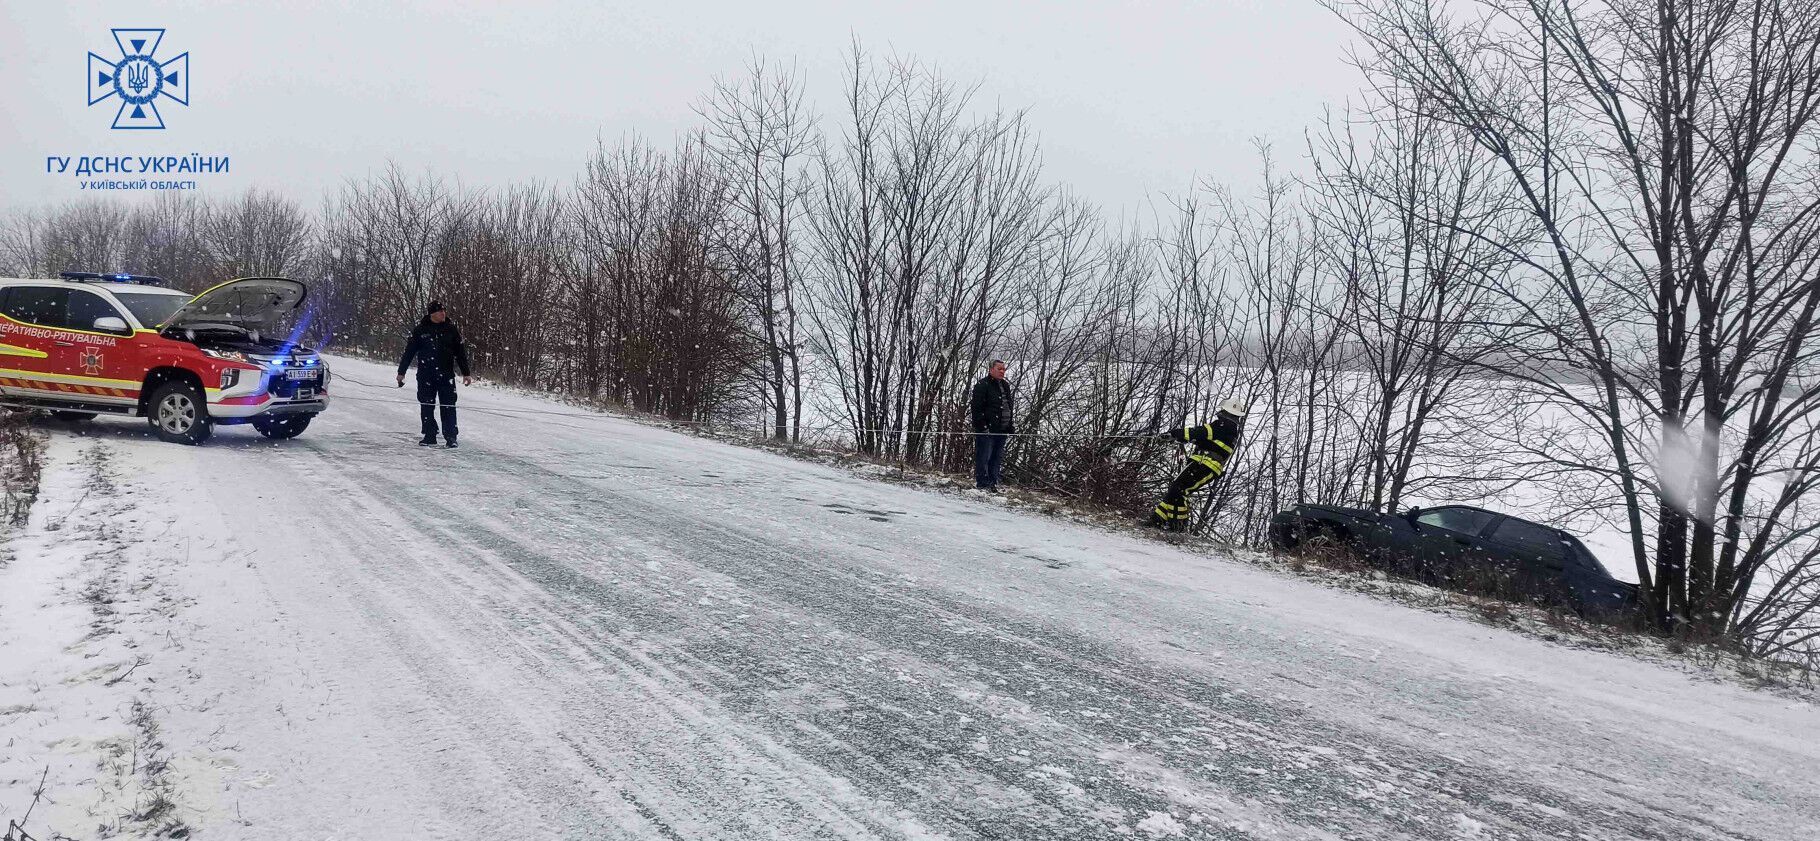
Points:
(587, 628)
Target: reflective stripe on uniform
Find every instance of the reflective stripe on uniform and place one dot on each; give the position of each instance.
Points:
(1224, 446)
(1210, 463)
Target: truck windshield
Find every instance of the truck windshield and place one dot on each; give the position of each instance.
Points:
(150, 308)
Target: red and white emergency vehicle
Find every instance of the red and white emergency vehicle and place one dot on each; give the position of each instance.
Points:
(122, 344)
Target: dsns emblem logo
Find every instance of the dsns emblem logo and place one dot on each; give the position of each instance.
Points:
(139, 79)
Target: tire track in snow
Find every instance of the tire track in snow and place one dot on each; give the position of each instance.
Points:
(557, 671)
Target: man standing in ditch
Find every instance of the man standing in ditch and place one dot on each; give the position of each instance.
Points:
(994, 421)
(438, 349)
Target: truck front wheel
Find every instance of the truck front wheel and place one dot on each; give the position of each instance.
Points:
(178, 414)
(281, 428)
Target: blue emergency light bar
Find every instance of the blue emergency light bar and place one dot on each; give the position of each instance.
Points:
(142, 279)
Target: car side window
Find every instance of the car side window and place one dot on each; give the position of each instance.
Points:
(1463, 520)
(85, 307)
(1532, 540)
(42, 305)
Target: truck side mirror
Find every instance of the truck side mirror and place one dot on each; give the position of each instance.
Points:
(1411, 515)
(110, 324)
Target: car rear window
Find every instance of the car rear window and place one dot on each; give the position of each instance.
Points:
(1582, 557)
(1462, 520)
(35, 305)
(1531, 539)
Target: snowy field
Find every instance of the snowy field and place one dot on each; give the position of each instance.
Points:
(581, 627)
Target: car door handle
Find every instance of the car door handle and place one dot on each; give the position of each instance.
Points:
(1465, 543)
(66, 344)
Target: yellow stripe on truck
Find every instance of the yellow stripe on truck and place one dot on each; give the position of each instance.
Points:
(64, 378)
(15, 350)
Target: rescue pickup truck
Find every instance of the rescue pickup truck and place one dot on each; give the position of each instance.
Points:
(91, 344)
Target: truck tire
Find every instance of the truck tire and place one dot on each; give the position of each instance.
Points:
(279, 429)
(178, 414)
(72, 417)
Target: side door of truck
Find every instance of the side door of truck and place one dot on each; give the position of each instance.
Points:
(31, 352)
(104, 363)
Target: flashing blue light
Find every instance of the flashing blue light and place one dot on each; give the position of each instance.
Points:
(146, 280)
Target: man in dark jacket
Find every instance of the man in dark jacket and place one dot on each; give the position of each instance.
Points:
(438, 349)
(994, 418)
(1214, 444)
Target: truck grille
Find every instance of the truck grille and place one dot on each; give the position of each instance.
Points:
(288, 389)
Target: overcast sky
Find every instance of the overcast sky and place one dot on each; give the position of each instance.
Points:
(1129, 98)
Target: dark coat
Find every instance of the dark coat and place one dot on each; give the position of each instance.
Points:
(1217, 440)
(994, 406)
(438, 350)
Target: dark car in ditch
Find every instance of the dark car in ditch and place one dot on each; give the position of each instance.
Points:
(1468, 548)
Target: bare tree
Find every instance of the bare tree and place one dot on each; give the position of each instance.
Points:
(1661, 153)
(763, 136)
(81, 236)
(501, 264)
(380, 237)
(1389, 211)
(1283, 355)
(664, 317)
(257, 234)
(165, 239)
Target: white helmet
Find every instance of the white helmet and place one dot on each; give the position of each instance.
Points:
(1234, 406)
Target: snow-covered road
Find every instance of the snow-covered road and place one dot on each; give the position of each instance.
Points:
(588, 628)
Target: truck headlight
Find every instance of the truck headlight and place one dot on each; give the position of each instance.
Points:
(230, 378)
(230, 355)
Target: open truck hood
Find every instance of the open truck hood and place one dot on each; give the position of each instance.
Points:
(251, 303)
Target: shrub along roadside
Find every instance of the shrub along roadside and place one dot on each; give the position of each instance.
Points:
(21, 466)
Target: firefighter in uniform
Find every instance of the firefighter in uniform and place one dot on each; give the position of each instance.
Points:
(1214, 444)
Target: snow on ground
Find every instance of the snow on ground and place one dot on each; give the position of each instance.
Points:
(581, 627)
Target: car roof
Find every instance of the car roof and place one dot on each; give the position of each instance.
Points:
(1428, 508)
(92, 286)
